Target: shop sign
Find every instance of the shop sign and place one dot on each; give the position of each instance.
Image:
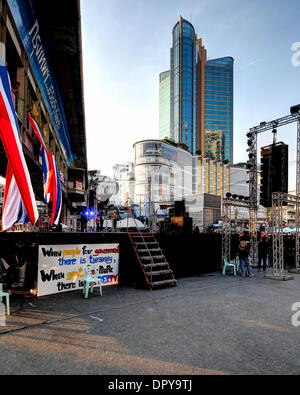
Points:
(78, 185)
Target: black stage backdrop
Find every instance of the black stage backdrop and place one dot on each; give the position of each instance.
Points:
(188, 254)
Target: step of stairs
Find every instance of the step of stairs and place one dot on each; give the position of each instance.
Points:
(159, 272)
(149, 258)
(155, 265)
(143, 237)
(149, 250)
(146, 244)
(164, 282)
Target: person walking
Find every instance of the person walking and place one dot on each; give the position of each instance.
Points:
(244, 250)
(263, 250)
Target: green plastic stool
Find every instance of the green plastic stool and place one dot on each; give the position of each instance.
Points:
(5, 295)
(89, 280)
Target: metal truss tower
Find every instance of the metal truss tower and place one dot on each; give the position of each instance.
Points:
(279, 198)
(277, 201)
(228, 203)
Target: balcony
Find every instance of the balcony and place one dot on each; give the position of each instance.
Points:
(77, 185)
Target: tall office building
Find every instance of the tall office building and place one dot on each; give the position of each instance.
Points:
(164, 105)
(217, 137)
(201, 97)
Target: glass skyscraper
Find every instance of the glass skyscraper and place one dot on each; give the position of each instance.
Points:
(183, 85)
(164, 105)
(218, 114)
(200, 97)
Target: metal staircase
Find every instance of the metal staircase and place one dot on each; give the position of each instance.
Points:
(156, 269)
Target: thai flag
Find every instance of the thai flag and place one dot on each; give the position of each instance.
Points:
(57, 192)
(18, 187)
(47, 170)
(52, 187)
(37, 131)
(47, 175)
(13, 211)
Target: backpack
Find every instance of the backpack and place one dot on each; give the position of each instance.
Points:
(243, 245)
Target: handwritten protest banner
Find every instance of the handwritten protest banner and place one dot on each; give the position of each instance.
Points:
(61, 267)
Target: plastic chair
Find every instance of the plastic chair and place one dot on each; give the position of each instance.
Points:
(5, 295)
(90, 279)
(231, 266)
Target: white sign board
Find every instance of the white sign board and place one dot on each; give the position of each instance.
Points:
(61, 267)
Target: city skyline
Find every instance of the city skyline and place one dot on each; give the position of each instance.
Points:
(121, 85)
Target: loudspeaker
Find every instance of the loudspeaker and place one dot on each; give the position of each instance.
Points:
(274, 172)
(179, 208)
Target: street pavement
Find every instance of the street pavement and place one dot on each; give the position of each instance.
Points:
(208, 324)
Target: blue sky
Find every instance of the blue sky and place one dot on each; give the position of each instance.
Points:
(126, 44)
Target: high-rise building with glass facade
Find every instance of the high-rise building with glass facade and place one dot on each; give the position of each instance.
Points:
(218, 113)
(164, 105)
(183, 108)
(201, 97)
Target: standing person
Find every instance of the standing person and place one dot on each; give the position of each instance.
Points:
(101, 221)
(244, 250)
(97, 224)
(263, 250)
(115, 219)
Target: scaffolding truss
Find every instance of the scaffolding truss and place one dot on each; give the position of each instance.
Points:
(228, 203)
(278, 201)
(277, 234)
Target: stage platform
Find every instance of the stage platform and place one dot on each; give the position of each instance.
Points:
(188, 254)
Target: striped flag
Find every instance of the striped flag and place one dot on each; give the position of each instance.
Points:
(57, 192)
(52, 187)
(18, 187)
(47, 175)
(46, 163)
(13, 211)
(37, 131)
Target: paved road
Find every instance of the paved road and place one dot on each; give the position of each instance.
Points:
(206, 325)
